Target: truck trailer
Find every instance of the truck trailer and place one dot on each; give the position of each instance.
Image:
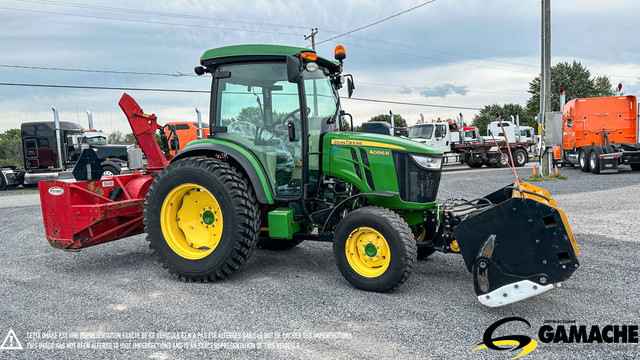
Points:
(600, 134)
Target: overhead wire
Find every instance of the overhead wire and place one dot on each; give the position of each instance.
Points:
(175, 74)
(207, 91)
(378, 22)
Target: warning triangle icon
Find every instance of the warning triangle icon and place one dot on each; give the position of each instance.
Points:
(11, 342)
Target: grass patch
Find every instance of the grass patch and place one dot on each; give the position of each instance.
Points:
(19, 192)
(539, 177)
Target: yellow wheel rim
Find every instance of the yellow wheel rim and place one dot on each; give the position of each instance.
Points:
(423, 233)
(368, 252)
(191, 221)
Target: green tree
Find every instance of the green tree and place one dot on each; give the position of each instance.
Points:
(11, 148)
(345, 125)
(576, 81)
(398, 120)
(491, 112)
(115, 137)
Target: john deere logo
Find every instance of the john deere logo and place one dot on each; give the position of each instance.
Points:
(509, 343)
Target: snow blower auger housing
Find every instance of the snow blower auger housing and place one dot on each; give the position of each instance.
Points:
(279, 168)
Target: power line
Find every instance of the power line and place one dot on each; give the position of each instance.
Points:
(378, 22)
(175, 74)
(158, 13)
(149, 22)
(438, 59)
(103, 88)
(412, 103)
(207, 91)
(180, 74)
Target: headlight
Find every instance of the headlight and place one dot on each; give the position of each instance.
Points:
(428, 162)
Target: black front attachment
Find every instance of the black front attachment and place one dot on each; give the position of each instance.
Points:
(517, 243)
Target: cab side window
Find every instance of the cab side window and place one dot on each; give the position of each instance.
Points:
(568, 122)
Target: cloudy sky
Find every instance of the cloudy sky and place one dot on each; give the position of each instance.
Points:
(459, 53)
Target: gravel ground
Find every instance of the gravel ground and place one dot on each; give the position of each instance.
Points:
(300, 296)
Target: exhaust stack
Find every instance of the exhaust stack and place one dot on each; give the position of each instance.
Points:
(200, 136)
(56, 123)
(90, 119)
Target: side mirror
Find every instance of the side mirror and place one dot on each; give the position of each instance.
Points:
(294, 74)
(350, 86)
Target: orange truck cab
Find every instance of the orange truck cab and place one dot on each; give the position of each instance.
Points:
(180, 133)
(599, 134)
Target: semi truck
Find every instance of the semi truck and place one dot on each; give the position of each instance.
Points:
(600, 134)
(470, 150)
(51, 151)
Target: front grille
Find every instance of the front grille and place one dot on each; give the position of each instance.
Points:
(415, 183)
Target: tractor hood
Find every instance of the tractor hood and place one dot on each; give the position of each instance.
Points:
(394, 143)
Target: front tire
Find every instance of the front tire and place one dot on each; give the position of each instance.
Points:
(109, 170)
(3, 183)
(503, 161)
(374, 249)
(201, 218)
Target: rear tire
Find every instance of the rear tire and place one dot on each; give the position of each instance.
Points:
(503, 161)
(594, 159)
(520, 157)
(583, 158)
(193, 248)
(374, 249)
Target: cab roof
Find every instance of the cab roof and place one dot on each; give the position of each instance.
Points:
(257, 52)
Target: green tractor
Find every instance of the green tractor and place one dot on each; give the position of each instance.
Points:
(276, 170)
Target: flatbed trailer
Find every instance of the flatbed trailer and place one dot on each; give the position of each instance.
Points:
(478, 154)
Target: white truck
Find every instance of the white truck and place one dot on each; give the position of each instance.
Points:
(472, 150)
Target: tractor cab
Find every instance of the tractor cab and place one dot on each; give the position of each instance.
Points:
(256, 104)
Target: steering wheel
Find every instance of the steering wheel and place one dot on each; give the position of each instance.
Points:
(293, 116)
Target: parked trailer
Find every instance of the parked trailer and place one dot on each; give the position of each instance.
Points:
(475, 152)
(600, 134)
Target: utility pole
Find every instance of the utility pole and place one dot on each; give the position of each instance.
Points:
(545, 86)
(312, 37)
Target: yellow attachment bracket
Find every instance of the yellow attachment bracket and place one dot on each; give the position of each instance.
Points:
(541, 195)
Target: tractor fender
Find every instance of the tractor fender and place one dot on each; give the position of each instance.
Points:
(263, 193)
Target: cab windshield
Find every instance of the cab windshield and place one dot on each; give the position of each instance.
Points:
(96, 140)
(421, 131)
